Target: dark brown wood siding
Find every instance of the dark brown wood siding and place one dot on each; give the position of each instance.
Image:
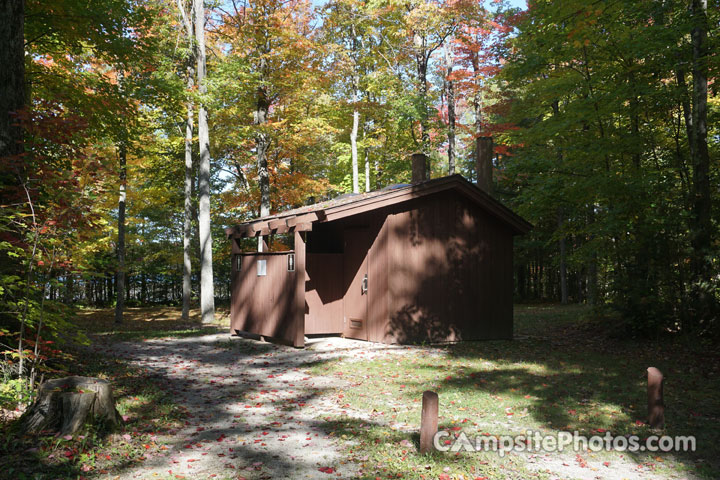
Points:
(378, 279)
(324, 293)
(439, 269)
(266, 305)
(450, 273)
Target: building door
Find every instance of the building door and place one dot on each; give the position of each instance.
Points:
(355, 268)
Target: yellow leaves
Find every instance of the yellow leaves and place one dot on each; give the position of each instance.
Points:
(426, 18)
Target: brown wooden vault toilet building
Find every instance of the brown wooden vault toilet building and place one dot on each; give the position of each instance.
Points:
(430, 262)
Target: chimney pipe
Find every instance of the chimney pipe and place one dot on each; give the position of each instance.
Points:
(419, 168)
(483, 163)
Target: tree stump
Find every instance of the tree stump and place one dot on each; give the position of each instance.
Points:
(64, 405)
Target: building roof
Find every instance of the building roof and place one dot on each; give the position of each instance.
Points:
(301, 219)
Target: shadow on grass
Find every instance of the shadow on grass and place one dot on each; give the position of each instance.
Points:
(556, 376)
(154, 399)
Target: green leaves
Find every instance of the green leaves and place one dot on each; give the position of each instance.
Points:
(604, 143)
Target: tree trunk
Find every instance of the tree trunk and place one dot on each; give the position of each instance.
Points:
(701, 227)
(592, 281)
(64, 405)
(69, 288)
(367, 170)
(262, 144)
(424, 116)
(563, 263)
(353, 143)
(12, 76)
(477, 101)
(143, 289)
(207, 294)
(120, 302)
(450, 93)
(188, 214)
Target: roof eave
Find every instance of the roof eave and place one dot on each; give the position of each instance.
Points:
(280, 223)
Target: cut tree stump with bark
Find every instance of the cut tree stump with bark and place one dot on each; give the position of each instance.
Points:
(64, 405)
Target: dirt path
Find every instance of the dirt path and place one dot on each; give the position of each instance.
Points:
(251, 410)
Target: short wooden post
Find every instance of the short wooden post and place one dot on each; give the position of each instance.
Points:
(428, 421)
(656, 404)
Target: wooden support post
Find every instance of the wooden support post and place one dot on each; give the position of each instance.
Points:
(299, 306)
(656, 404)
(428, 421)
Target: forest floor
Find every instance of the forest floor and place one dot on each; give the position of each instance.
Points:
(199, 403)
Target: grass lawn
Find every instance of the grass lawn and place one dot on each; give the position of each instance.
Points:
(148, 322)
(561, 373)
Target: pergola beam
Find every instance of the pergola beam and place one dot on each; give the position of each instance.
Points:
(295, 223)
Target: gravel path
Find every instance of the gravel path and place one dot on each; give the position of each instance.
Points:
(252, 411)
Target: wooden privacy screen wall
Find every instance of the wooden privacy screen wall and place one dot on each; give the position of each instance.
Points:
(265, 305)
(271, 305)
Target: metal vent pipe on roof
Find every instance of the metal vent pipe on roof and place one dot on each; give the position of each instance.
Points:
(483, 163)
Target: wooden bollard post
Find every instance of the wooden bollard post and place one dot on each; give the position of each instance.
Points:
(656, 405)
(428, 421)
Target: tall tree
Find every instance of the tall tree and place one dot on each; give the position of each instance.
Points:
(450, 99)
(615, 139)
(347, 28)
(207, 291)
(428, 25)
(12, 76)
(186, 13)
(121, 270)
(701, 227)
(271, 88)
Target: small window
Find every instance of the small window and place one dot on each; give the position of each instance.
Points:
(238, 262)
(291, 262)
(261, 268)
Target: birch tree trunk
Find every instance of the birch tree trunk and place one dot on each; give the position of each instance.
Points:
(353, 141)
(207, 294)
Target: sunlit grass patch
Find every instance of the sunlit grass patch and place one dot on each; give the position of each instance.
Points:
(385, 452)
(148, 323)
(542, 381)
